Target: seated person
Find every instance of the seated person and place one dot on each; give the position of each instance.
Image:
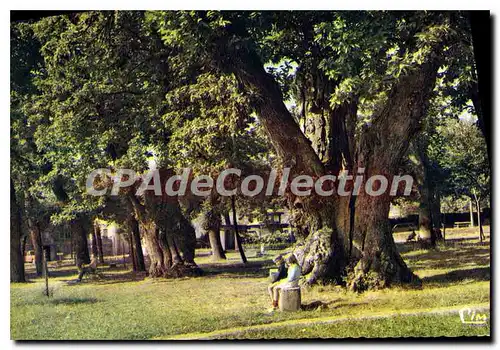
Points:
(292, 279)
(281, 271)
(90, 268)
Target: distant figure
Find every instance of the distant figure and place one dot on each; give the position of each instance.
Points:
(292, 280)
(411, 236)
(437, 233)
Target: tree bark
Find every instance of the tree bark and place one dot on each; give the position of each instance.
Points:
(159, 219)
(95, 250)
(158, 265)
(236, 233)
(137, 244)
(479, 223)
(480, 22)
(146, 216)
(291, 146)
(180, 238)
(381, 151)
(429, 207)
(16, 257)
(183, 233)
(100, 251)
(80, 242)
(229, 239)
(23, 245)
(425, 222)
(36, 242)
(211, 224)
(133, 258)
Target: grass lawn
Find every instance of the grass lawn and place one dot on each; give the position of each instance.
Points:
(230, 301)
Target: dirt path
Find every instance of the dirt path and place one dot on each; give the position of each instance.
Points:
(324, 320)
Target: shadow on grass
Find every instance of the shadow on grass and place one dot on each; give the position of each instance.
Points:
(73, 301)
(62, 301)
(252, 269)
(476, 274)
(110, 278)
(458, 252)
(405, 247)
(449, 258)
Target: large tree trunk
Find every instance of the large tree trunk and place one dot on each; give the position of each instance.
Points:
(229, 238)
(184, 235)
(180, 239)
(16, 257)
(36, 242)
(175, 255)
(381, 151)
(211, 224)
(435, 203)
(380, 265)
(133, 258)
(78, 230)
(137, 244)
(426, 222)
(158, 266)
(100, 251)
(23, 245)
(480, 22)
(293, 148)
(160, 223)
(215, 244)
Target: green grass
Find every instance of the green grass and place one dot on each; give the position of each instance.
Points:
(127, 306)
(399, 326)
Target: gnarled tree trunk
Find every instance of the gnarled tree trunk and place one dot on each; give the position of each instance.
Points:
(158, 265)
(16, 257)
(382, 149)
(160, 223)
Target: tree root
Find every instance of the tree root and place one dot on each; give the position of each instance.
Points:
(380, 271)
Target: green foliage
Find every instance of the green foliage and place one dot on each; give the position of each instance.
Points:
(460, 149)
(126, 88)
